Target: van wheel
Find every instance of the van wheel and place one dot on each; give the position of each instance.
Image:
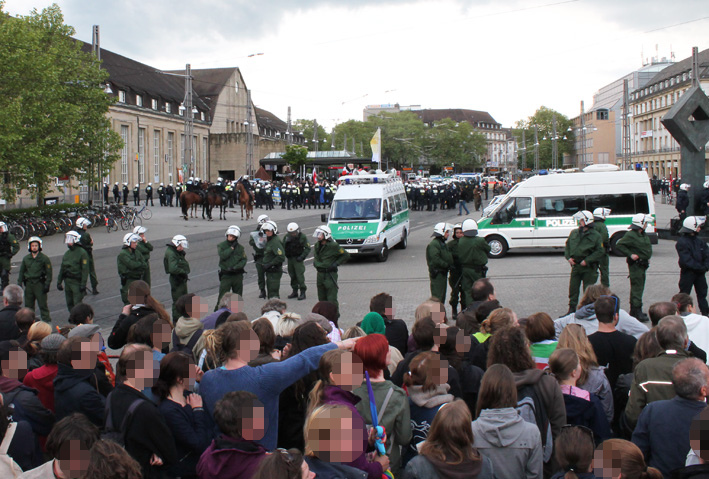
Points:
(498, 246)
(404, 241)
(614, 240)
(384, 255)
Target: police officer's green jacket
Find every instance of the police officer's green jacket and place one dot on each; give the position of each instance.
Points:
(329, 254)
(296, 247)
(584, 244)
(85, 240)
(144, 248)
(602, 229)
(438, 258)
(8, 245)
(472, 251)
(75, 265)
(131, 263)
(635, 242)
(273, 254)
(453, 248)
(35, 269)
(175, 262)
(232, 256)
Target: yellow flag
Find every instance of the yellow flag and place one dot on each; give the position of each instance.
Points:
(376, 145)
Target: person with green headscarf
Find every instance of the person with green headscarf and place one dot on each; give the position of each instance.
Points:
(373, 323)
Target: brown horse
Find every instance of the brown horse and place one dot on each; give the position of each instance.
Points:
(216, 198)
(245, 200)
(189, 201)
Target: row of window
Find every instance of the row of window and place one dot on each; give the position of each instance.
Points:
(648, 90)
(659, 102)
(155, 104)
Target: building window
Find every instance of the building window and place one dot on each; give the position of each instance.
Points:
(121, 96)
(168, 107)
(201, 115)
(141, 155)
(124, 153)
(205, 148)
(154, 104)
(156, 156)
(602, 115)
(170, 147)
(139, 100)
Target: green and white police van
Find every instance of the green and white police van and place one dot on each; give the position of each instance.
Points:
(537, 213)
(370, 215)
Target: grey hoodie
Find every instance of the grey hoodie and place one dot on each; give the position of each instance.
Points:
(586, 317)
(513, 445)
(185, 328)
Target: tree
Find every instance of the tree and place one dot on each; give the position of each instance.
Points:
(402, 138)
(53, 108)
(458, 144)
(308, 129)
(543, 119)
(295, 155)
(362, 133)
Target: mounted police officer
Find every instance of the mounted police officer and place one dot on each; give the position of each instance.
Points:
(86, 242)
(36, 277)
(8, 248)
(273, 258)
(144, 248)
(693, 255)
(636, 247)
(131, 264)
(232, 261)
(178, 268)
(583, 251)
(439, 260)
(74, 271)
(599, 224)
(297, 249)
(258, 243)
(472, 253)
(327, 258)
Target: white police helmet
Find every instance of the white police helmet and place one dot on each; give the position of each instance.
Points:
(220, 179)
(34, 239)
(684, 187)
(692, 223)
(706, 184)
(269, 226)
(178, 240)
(439, 230)
(137, 185)
(81, 222)
(262, 219)
(640, 221)
(470, 228)
(129, 238)
(3, 226)
(584, 215)
(139, 230)
(234, 231)
(322, 230)
(72, 237)
(601, 213)
(292, 227)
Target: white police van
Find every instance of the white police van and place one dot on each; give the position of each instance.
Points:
(537, 213)
(370, 214)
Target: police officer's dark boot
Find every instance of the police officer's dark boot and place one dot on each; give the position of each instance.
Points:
(294, 294)
(263, 294)
(638, 314)
(301, 297)
(454, 309)
(94, 290)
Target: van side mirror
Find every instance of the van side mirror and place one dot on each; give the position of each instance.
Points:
(387, 216)
(323, 218)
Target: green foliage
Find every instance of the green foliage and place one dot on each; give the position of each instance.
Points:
(53, 108)
(456, 143)
(308, 129)
(41, 211)
(543, 119)
(403, 138)
(295, 155)
(361, 132)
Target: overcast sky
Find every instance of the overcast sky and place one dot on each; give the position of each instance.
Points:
(327, 59)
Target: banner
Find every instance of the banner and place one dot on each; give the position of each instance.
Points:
(376, 145)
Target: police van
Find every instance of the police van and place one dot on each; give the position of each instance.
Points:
(537, 213)
(370, 214)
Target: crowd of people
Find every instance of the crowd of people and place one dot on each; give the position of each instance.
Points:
(488, 394)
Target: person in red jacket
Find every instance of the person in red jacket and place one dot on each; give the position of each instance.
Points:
(42, 378)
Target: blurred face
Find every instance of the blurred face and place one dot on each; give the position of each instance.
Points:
(269, 233)
(438, 313)
(253, 425)
(133, 244)
(161, 335)
(462, 342)
(16, 365)
(34, 247)
(180, 248)
(389, 310)
(144, 370)
(142, 236)
(335, 438)
(199, 307)
(349, 373)
(236, 306)
(73, 459)
(458, 233)
(249, 345)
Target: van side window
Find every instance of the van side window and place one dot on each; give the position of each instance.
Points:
(520, 207)
(404, 201)
(559, 205)
(623, 204)
(397, 202)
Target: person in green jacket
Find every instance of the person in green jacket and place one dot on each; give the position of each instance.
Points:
(439, 260)
(297, 249)
(131, 264)
(273, 258)
(144, 248)
(258, 243)
(635, 246)
(599, 224)
(178, 268)
(232, 260)
(8, 248)
(328, 256)
(456, 271)
(583, 251)
(36, 277)
(86, 242)
(74, 271)
(472, 252)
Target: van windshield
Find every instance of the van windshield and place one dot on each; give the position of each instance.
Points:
(365, 209)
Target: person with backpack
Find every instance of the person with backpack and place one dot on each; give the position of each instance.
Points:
(133, 420)
(141, 304)
(188, 328)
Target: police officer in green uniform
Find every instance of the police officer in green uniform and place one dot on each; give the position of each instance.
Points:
(599, 224)
(472, 252)
(328, 256)
(8, 248)
(635, 246)
(36, 277)
(144, 248)
(439, 260)
(584, 250)
(86, 242)
(455, 272)
(258, 243)
(232, 260)
(131, 263)
(273, 258)
(178, 268)
(297, 249)
(74, 271)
